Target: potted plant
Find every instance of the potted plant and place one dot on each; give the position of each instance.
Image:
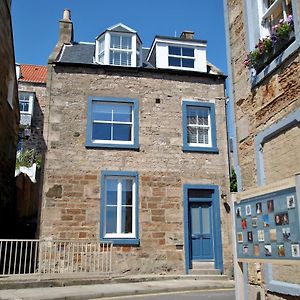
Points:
(268, 48)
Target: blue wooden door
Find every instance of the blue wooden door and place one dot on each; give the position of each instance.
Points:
(201, 231)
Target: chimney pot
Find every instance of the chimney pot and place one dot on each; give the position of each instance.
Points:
(67, 15)
(187, 34)
(66, 28)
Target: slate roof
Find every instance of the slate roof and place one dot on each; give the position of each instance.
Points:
(83, 53)
(78, 53)
(33, 73)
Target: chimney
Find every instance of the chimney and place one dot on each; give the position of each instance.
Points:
(187, 35)
(66, 28)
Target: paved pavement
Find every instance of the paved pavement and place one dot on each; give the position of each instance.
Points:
(200, 295)
(106, 290)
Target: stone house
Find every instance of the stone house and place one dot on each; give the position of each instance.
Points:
(266, 98)
(32, 102)
(137, 150)
(9, 121)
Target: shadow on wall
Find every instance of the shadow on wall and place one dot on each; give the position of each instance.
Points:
(29, 194)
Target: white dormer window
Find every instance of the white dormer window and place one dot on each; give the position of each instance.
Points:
(119, 45)
(181, 57)
(177, 53)
(120, 50)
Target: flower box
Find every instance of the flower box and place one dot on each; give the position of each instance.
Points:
(269, 47)
(267, 57)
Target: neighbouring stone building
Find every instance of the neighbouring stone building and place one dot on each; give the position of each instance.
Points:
(9, 121)
(263, 46)
(32, 103)
(137, 150)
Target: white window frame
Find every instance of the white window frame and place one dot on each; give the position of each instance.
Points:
(30, 102)
(117, 142)
(181, 57)
(264, 12)
(101, 52)
(201, 126)
(121, 50)
(119, 234)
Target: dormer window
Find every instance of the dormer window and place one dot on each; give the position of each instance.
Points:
(120, 50)
(184, 53)
(181, 57)
(119, 45)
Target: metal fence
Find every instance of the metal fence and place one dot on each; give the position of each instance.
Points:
(20, 257)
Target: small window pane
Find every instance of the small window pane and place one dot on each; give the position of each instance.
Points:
(102, 111)
(188, 52)
(111, 191)
(127, 192)
(192, 115)
(115, 41)
(198, 115)
(101, 132)
(122, 113)
(203, 135)
(24, 106)
(111, 219)
(125, 58)
(126, 219)
(101, 45)
(115, 58)
(205, 220)
(195, 216)
(121, 132)
(191, 135)
(126, 42)
(174, 50)
(101, 57)
(203, 114)
(174, 61)
(187, 63)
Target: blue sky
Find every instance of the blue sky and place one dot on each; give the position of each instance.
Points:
(35, 23)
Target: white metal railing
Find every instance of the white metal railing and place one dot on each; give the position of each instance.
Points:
(20, 257)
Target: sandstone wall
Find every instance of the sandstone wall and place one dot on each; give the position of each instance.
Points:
(258, 108)
(9, 118)
(36, 140)
(71, 195)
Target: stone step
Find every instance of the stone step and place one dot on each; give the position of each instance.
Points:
(204, 272)
(203, 265)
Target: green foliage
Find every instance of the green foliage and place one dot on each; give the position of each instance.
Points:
(233, 181)
(26, 158)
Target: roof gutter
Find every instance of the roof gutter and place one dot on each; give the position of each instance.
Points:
(139, 70)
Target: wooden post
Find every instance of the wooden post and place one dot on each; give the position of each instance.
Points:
(240, 269)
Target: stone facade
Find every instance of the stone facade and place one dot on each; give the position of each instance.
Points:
(71, 194)
(36, 139)
(258, 107)
(9, 120)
